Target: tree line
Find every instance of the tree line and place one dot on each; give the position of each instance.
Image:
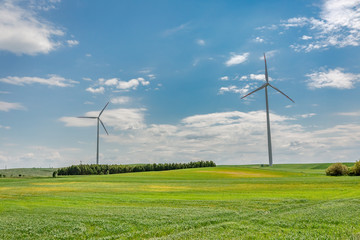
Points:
(99, 169)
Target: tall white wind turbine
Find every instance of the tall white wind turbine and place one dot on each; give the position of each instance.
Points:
(98, 121)
(265, 85)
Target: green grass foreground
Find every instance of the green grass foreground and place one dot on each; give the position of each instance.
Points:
(225, 202)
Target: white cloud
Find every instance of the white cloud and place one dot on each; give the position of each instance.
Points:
(114, 83)
(295, 22)
(143, 81)
(44, 5)
(249, 84)
(151, 76)
(236, 59)
(5, 127)
(111, 82)
(200, 42)
(344, 13)
(125, 118)
(333, 78)
(304, 37)
(86, 79)
(258, 77)
(72, 43)
(53, 80)
(235, 89)
(120, 119)
(132, 84)
(23, 32)
(259, 40)
(307, 115)
(120, 100)
(224, 78)
(7, 106)
(350, 114)
(100, 90)
(338, 25)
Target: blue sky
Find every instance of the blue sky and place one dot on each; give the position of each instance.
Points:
(174, 73)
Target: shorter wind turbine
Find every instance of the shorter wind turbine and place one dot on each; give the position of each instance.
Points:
(98, 121)
(265, 85)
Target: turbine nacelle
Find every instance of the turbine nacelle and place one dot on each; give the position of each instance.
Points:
(98, 118)
(265, 85)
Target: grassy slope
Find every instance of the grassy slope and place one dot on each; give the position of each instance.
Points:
(309, 168)
(28, 172)
(227, 202)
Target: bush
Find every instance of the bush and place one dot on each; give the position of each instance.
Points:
(337, 169)
(355, 170)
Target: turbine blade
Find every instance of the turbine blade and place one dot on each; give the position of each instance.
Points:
(87, 117)
(281, 92)
(103, 126)
(103, 109)
(262, 86)
(266, 72)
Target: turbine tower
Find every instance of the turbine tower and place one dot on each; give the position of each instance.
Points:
(265, 85)
(98, 121)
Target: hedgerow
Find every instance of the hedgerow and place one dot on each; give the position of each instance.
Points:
(99, 169)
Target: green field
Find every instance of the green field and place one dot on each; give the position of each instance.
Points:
(28, 172)
(226, 202)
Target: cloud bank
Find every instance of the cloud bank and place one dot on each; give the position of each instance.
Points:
(225, 137)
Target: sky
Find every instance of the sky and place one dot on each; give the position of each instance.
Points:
(174, 72)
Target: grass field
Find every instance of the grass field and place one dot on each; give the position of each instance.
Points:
(28, 172)
(226, 202)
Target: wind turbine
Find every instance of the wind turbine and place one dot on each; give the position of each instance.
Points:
(98, 121)
(265, 85)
